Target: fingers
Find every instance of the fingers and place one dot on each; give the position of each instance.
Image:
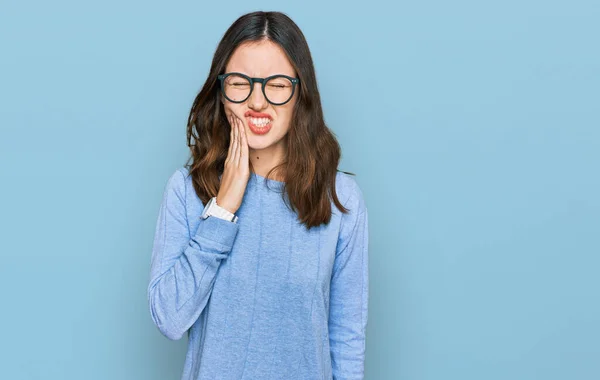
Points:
(230, 150)
(244, 142)
(236, 145)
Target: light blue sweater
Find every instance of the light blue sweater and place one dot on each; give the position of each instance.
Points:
(262, 298)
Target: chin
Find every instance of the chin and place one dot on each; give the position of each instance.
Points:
(258, 145)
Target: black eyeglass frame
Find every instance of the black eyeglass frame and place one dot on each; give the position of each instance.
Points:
(262, 81)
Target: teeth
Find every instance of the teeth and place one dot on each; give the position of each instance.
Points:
(260, 122)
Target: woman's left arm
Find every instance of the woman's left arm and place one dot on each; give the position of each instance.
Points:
(349, 294)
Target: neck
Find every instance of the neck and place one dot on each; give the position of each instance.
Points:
(263, 160)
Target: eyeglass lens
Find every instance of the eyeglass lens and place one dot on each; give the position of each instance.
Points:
(277, 89)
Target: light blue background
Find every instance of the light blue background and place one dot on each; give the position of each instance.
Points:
(473, 128)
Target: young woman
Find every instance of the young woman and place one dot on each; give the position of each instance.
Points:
(261, 247)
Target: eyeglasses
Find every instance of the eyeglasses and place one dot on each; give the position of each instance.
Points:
(277, 89)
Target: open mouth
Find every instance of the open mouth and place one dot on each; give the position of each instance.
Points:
(259, 125)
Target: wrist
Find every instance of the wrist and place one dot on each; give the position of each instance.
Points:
(225, 206)
(215, 210)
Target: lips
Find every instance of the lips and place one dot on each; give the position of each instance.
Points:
(255, 114)
(259, 126)
(258, 122)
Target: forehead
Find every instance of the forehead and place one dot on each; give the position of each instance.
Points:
(260, 59)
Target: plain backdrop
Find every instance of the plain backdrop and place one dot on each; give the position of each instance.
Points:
(473, 128)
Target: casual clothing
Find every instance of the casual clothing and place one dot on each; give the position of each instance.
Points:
(263, 298)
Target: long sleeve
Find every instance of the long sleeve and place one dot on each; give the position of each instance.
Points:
(184, 264)
(349, 295)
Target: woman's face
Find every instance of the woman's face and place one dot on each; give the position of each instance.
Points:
(261, 59)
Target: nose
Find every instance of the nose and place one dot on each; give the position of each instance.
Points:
(257, 99)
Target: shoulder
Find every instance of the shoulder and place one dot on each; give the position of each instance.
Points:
(177, 180)
(184, 172)
(177, 183)
(355, 220)
(350, 193)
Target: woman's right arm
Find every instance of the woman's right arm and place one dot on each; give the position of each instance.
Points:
(184, 264)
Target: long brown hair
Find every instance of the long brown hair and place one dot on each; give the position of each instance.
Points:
(313, 152)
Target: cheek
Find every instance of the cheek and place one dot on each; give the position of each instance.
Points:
(229, 107)
(284, 124)
(284, 118)
(236, 109)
